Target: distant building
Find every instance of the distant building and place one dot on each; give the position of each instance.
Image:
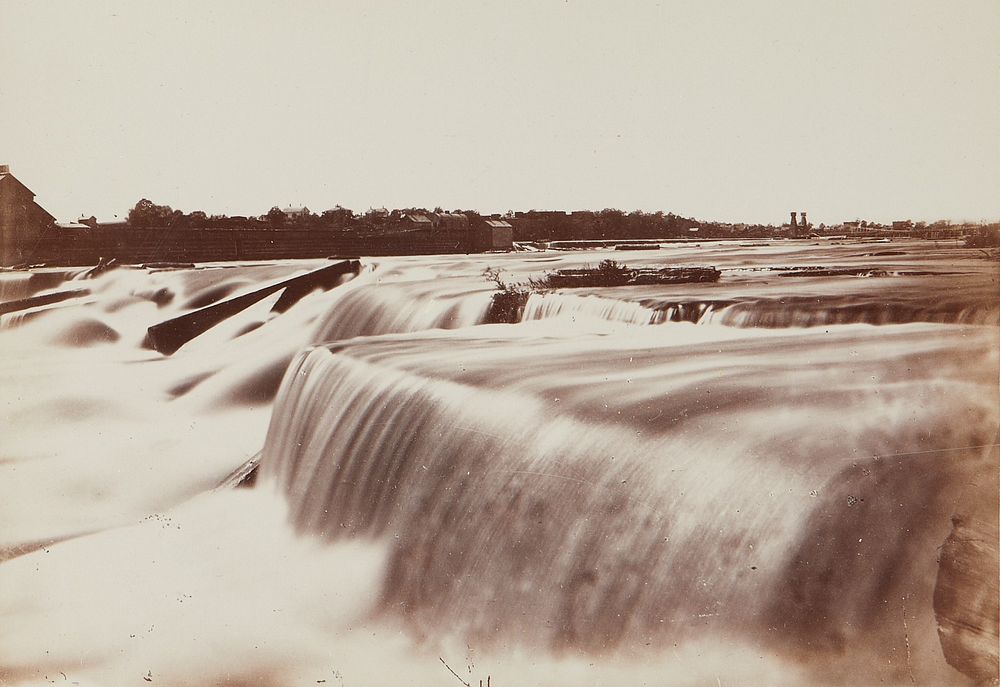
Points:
(22, 220)
(292, 213)
(413, 220)
(798, 227)
(493, 235)
(541, 214)
(450, 220)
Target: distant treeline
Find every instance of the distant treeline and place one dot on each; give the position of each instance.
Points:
(539, 225)
(531, 225)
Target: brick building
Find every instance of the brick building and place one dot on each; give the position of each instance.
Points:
(22, 220)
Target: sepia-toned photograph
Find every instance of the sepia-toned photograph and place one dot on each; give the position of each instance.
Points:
(563, 343)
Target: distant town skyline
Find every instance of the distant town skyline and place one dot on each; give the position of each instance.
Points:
(879, 111)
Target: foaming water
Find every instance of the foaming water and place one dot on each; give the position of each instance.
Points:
(411, 296)
(796, 313)
(574, 499)
(219, 592)
(531, 509)
(93, 416)
(541, 306)
(203, 595)
(368, 307)
(15, 285)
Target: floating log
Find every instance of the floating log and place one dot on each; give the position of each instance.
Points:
(819, 271)
(637, 246)
(45, 299)
(167, 337)
(568, 278)
(168, 265)
(100, 268)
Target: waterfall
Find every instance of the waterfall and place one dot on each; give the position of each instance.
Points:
(365, 307)
(543, 511)
(496, 538)
(12, 319)
(821, 313)
(542, 306)
(373, 309)
(15, 285)
(788, 495)
(768, 313)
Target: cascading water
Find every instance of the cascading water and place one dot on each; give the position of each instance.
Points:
(541, 306)
(572, 499)
(534, 508)
(369, 308)
(761, 309)
(396, 301)
(819, 313)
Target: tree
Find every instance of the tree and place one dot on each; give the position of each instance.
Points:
(275, 217)
(337, 217)
(146, 213)
(611, 223)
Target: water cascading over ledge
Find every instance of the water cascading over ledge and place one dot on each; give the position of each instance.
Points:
(608, 492)
(758, 312)
(370, 310)
(818, 312)
(395, 296)
(368, 307)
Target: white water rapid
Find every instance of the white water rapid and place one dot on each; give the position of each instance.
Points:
(745, 482)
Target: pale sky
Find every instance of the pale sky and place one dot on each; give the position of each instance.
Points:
(719, 110)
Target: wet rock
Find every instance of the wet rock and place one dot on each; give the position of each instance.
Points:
(213, 294)
(188, 384)
(245, 476)
(87, 333)
(46, 299)
(166, 337)
(259, 388)
(966, 597)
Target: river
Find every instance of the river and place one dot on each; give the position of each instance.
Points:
(740, 482)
